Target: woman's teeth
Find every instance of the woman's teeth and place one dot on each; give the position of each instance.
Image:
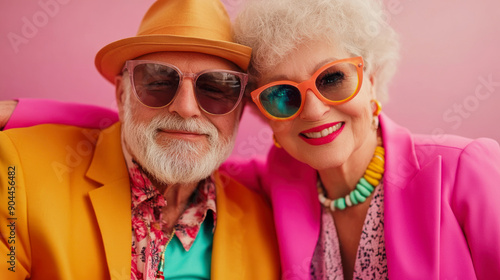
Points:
(324, 132)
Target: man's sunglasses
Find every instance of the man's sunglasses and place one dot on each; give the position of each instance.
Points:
(335, 83)
(156, 84)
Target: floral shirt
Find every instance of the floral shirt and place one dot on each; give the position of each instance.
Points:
(149, 238)
(371, 260)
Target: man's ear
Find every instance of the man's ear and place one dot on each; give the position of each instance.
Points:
(120, 95)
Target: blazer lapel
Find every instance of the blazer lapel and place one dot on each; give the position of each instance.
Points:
(112, 201)
(412, 198)
(244, 237)
(296, 211)
(227, 253)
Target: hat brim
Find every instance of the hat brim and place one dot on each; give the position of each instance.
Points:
(110, 59)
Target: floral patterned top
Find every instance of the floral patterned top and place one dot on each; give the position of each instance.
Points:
(148, 236)
(371, 261)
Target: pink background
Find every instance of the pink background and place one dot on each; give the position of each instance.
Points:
(448, 80)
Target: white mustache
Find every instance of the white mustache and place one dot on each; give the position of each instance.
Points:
(173, 122)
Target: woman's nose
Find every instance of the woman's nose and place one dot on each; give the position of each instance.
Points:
(313, 108)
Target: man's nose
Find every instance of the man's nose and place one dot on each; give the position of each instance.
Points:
(185, 103)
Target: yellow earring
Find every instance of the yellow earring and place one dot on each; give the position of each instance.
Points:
(378, 107)
(276, 143)
(376, 112)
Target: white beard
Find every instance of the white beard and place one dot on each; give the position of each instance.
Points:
(175, 161)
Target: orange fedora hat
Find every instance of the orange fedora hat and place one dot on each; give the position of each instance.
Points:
(176, 25)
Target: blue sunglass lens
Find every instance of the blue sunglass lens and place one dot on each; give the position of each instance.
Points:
(281, 101)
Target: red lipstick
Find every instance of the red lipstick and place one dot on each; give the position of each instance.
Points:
(315, 137)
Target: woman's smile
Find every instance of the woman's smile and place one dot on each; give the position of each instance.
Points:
(322, 134)
(322, 131)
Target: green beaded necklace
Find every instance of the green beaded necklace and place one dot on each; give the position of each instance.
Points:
(364, 188)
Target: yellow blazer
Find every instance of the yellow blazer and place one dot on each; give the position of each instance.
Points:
(70, 214)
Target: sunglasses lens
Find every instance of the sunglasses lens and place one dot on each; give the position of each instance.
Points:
(281, 101)
(339, 82)
(155, 84)
(218, 92)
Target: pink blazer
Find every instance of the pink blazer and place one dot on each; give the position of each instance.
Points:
(441, 198)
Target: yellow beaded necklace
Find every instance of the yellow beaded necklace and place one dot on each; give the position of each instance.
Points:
(364, 187)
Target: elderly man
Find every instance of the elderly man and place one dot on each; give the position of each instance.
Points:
(141, 198)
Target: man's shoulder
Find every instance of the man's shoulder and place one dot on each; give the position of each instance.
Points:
(45, 135)
(38, 133)
(48, 142)
(50, 152)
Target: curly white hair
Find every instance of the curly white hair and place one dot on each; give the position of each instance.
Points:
(274, 28)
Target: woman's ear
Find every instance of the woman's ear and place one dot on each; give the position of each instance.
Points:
(373, 90)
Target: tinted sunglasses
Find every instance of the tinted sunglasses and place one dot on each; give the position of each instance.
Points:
(334, 83)
(156, 84)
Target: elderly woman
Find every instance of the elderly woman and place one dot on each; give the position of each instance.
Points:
(354, 195)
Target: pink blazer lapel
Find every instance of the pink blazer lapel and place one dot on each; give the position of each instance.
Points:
(412, 201)
(296, 211)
